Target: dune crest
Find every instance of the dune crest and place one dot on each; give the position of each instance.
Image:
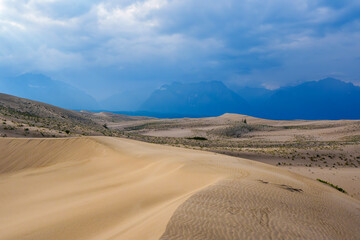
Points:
(108, 188)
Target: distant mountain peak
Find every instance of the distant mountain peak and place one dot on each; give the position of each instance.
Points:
(329, 84)
(327, 98)
(195, 98)
(329, 81)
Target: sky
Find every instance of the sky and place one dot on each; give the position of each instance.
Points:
(107, 47)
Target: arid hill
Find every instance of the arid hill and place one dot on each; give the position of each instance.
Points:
(26, 118)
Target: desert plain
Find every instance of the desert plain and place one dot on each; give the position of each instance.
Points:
(83, 175)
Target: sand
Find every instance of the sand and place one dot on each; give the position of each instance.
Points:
(175, 132)
(110, 188)
(346, 178)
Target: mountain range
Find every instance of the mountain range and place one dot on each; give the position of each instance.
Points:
(202, 99)
(324, 99)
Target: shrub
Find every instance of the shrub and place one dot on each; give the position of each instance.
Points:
(198, 138)
(332, 185)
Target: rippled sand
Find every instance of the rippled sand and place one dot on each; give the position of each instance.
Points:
(107, 188)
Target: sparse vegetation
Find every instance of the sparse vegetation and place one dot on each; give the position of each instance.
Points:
(234, 131)
(20, 114)
(198, 138)
(332, 185)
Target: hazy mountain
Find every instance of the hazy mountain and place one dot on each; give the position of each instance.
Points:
(325, 99)
(200, 99)
(256, 97)
(42, 88)
(253, 94)
(124, 101)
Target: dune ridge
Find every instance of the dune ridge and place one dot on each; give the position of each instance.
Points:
(110, 188)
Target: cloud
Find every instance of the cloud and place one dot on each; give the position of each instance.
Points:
(271, 42)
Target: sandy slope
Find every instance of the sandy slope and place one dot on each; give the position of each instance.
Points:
(347, 178)
(107, 188)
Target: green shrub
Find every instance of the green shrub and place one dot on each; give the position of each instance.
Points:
(332, 185)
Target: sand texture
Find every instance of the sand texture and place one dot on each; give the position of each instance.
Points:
(111, 188)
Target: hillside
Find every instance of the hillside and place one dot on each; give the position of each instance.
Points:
(22, 117)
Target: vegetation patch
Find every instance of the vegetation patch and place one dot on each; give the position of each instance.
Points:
(332, 185)
(307, 126)
(198, 138)
(238, 129)
(353, 138)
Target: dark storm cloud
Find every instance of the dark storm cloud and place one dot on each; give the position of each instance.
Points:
(270, 43)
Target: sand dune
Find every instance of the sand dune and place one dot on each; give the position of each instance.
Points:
(107, 188)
